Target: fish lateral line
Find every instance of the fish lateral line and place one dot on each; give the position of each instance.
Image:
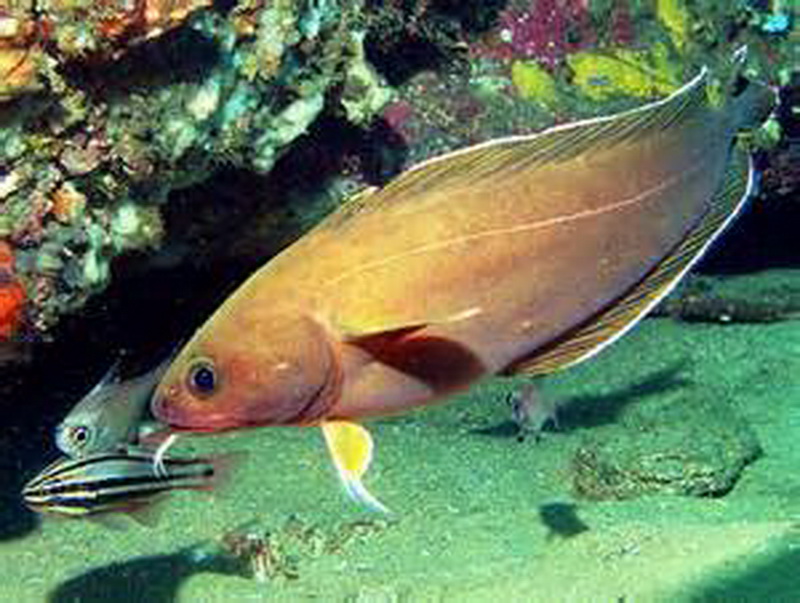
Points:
(555, 221)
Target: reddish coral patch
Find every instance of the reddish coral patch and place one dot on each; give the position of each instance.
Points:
(12, 294)
(6, 257)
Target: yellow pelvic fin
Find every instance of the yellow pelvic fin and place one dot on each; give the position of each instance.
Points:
(350, 445)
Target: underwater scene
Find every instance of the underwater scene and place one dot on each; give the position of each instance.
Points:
(399, 300)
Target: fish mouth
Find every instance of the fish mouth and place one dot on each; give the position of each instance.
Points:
(165, 412)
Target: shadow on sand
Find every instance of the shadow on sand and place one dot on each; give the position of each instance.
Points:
(773, 580)
(155, 579)
(595, 411)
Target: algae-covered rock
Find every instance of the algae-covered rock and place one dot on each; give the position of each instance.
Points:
(534, 82)
(734, 299)
(630, 73)
(88, 162)
(683, 447)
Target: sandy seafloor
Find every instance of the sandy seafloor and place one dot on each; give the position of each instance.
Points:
(467, 524)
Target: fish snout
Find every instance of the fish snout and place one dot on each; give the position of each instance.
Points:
(171, 409)
(166, 410)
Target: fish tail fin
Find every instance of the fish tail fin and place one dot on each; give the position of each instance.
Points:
(753, 105)
(224, 465)
(752, 101)
(145, 514)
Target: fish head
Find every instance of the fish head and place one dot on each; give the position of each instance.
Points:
(77, 438)
(276, 370)
(88, 428)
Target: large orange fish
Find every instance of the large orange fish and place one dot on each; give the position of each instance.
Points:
(525, 254)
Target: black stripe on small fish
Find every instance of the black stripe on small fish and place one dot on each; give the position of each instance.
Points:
(77, 480)
(129, 486)
(89, 484)
(110, 499)
(58, 468)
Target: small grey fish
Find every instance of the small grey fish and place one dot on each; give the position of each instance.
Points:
(531, 411)
(108, 482)
(108, 417)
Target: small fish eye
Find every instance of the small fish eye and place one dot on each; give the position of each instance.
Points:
(80, 434)
(202, 378)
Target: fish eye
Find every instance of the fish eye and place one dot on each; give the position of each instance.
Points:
(80, 434)
(74, 437)
(202, 378)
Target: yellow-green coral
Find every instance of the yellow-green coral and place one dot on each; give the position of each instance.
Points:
(623, 72)
(534, 83)
(674, 16)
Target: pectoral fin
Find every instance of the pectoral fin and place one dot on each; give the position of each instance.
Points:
(350, 445)
(378, 329)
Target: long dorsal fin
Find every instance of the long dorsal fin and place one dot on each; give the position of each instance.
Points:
(353, 205)
(556, 144)
(617, 318)
(472, 165)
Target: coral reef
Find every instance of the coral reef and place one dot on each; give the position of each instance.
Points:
(109, 107)
(541, 62)
(34, 38)
(12, 295)
(545, 30)
(676, 19)
(534, 82)
(626, 73)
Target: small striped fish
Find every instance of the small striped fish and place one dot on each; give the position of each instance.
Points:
(107, 482)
